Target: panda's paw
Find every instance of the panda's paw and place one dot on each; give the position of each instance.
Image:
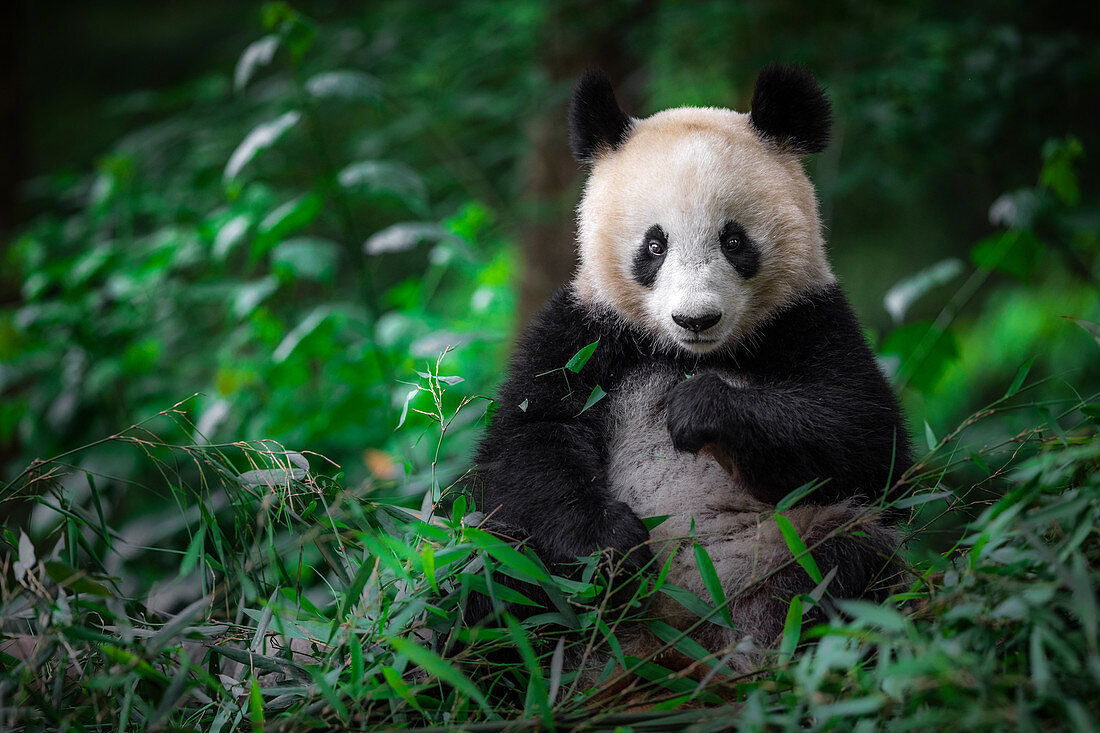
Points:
(691, 412)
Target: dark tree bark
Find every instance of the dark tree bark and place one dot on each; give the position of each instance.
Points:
(580, 34)
(12, 137)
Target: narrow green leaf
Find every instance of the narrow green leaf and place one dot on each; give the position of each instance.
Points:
(394, 680)
(798, 495)
(929, 436)
(798, 548)
(194, 549)
(1021, 375)
(792, 630)
(534, 670)
(256, 707)
(356, 650)
(581, 358)
(428, 556)
(506, 554)
(596, 395)
(712, 582)
(557, 661)
(693, 603)
(651, 522)
(75, 580)
(435, 665)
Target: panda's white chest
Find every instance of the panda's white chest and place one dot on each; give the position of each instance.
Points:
(655, 479)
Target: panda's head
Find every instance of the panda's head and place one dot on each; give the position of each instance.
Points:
(698, 224)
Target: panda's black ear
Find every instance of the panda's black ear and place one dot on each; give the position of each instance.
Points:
(595, 121)
(790, 108)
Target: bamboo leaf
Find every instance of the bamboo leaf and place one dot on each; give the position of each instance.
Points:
(798, 548)
(577, 362)
(596, 395)
(435, 665)
(712, 582)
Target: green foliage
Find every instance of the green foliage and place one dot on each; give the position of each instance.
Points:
(317, 604)
(233, 251)
(317, 242)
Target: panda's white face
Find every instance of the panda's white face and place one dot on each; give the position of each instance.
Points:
(697, 230)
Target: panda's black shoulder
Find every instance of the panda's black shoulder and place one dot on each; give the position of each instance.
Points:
(562, 328)
(818, 335)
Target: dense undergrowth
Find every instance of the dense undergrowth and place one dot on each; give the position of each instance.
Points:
(317, 605)
(297, 242)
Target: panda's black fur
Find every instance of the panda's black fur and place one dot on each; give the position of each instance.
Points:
(799, 398)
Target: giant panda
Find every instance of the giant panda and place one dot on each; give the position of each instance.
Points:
(733, 366)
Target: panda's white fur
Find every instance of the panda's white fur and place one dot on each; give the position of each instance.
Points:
(692, 170)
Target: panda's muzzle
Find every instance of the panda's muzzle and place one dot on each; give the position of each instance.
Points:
(695, 324)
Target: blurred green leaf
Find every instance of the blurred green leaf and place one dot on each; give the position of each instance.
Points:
(262, 137)
(344, 84)
(1015, 252)
(286, 219)
(258, 53)
(925, 353)
(1058, 174)
(306, 258)
(901, 297)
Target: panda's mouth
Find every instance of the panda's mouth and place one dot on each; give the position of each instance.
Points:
(698, 343)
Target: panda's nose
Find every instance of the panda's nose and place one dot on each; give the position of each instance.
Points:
(695, 324)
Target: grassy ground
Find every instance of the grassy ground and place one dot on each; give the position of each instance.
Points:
(297, 603)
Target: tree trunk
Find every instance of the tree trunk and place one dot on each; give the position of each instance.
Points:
(580, 34)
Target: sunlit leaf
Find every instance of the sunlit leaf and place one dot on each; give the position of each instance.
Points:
(261, 138)
(230, 235)
(287, 218)
(250, 295)
(374, 177)
(258, 53)
(343, 84)
(308, 325)
(902, 296)
(402, 237)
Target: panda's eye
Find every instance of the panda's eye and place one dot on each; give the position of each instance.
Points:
(656, 247)
(733, 241)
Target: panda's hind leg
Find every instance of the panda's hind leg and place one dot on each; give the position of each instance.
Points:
(848, 542)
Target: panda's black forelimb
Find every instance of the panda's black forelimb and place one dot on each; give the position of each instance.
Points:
(813, 405)
(543, 464)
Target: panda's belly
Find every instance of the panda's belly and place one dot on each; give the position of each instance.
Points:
(655, 479)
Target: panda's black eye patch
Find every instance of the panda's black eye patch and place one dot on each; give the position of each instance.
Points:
(650, 256)
(739, 250)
